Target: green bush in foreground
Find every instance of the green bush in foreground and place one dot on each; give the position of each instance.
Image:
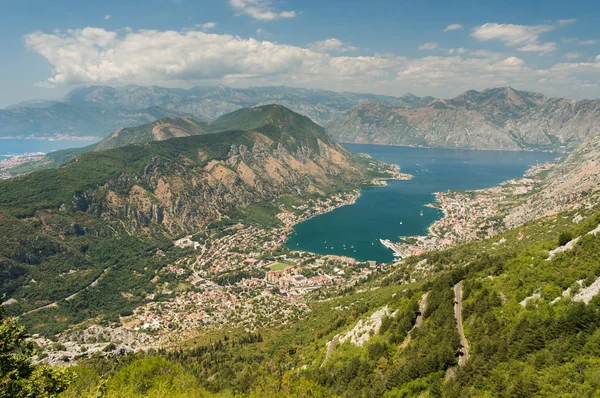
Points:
(18, 377)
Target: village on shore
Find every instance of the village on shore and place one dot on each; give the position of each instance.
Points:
(244, 276)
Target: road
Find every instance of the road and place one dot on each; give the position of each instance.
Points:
(72, 296)
(459, 325)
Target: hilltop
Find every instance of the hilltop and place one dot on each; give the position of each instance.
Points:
(499, 118)
(255, 118)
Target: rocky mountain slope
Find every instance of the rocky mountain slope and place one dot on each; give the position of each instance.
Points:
(501, 118)
(567, 183)
(212, 102)
(160, 130)
(99, 110)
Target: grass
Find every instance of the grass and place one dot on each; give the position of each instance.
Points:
(278, 266)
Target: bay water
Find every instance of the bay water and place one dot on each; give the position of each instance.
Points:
(399, 208)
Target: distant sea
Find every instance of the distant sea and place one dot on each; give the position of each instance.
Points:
(379, 211)
(12, 147)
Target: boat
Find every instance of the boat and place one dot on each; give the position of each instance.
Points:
(400, 222)
(421, 213)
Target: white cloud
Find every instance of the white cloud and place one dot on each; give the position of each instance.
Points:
(544, 48)
(208, 25)
(259, 9)
(107, 17)
(587, 42)
(454, 26)
(332, 44)
(566, 22)
(185, 58)
(466, 72)
(459, 51)
(511, 35)
(93, 55)
(428, 46)
(572, 55)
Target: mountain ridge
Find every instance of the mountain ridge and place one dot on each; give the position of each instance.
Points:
(499, 119)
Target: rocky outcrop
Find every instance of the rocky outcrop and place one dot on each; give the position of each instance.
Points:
(572, 180)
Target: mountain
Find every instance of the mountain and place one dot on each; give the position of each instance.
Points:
(173, 127)
(65, 120)
(570, 182)
(110, 210)
(160, 130)
(99, 110)
(500, 118)
(209, 103)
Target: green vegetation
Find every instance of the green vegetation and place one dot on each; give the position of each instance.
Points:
(278, 266)
(18, 377)
(544, 349)
(75, 232)
(261, 215)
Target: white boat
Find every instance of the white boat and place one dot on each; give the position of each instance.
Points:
(421, 213)
(400, 222)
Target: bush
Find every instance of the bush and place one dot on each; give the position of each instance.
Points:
(565, 237)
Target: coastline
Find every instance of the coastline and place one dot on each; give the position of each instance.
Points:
(470, 214)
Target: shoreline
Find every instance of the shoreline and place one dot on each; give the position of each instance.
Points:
(469, 215)
(457, 149)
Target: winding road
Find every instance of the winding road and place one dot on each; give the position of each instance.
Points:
(464, 349)
(72, 296)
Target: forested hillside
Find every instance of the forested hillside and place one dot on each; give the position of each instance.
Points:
(530, 318)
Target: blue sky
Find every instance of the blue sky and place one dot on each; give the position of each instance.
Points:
(438, 48)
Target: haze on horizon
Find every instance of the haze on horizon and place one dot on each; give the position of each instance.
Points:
(435, 49)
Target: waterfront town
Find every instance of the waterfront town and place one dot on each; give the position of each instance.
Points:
(18, 160)
(226, 280)
(243, 276)
(470, 215)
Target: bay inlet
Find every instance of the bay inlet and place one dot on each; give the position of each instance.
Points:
(399, 209)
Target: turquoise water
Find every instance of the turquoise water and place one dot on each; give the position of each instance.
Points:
(13, 147)
(379, 211)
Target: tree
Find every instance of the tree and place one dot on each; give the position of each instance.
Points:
(18, 376)
(565, 237)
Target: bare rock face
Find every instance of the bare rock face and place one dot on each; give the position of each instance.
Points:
(567, 184)
(501, 119)
(280, 153)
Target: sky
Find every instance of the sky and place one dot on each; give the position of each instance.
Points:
(427, 47)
